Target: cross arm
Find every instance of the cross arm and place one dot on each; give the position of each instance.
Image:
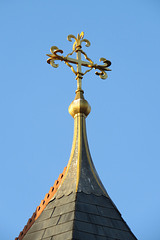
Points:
(88, 63)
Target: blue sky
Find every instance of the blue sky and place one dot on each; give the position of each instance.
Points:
(124, 124)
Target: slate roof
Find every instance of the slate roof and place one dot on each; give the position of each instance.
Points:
(80, 208)
(80, 216)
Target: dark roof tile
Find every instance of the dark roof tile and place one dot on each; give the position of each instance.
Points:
(79, 235)
(87, 208)
(108, 212)
(95, 200)
(118, 234)
(90, 228)
(44, 224)
(62, 200)
(45, 215)
(50, 238)
(66, 217)
(64, 209)
(62, 236)
(58, 229)
(62, 218)
(36, 235)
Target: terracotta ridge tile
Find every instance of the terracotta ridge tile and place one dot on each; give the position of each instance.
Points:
(42, 206)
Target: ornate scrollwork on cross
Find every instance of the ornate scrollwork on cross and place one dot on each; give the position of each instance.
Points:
(77, 48)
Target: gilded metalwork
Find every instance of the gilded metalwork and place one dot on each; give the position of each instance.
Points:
(77, 48)
(79, 105)
(80, 175)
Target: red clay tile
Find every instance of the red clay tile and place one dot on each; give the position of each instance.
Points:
(42, 206)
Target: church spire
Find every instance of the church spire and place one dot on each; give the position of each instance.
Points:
(77, 206)
(81, 175)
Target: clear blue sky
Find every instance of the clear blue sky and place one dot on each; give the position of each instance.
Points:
(124, 125)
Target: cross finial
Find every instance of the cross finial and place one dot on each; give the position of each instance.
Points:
(77, 48)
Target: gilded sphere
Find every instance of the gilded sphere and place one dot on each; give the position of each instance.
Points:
(79, 105)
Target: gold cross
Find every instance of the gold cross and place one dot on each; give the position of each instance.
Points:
(77, 48)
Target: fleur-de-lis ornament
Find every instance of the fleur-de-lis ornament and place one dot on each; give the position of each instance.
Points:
(77, 48)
